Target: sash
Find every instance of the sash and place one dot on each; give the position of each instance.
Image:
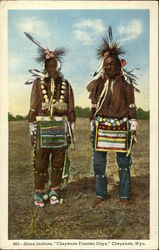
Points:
(111, 138)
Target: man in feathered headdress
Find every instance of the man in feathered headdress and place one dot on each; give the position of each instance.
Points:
(51, 122)
(113, 118)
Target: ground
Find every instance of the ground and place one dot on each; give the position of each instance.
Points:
(75, 219)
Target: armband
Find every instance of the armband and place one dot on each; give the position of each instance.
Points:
(133, 124)
(32, 128)
(73, 127)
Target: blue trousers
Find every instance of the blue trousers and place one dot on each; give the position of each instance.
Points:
(99, 165)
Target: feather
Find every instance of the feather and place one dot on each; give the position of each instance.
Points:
(34, 41)
(104, 47)
(99, 69)
(108, 45)
(58, 65)
(136, 89)
(36, 73)
(59, 53)
(129, 79)
(115, 49)
(29, 82)
(41, 57)
(36, 70)
(133, 69)
(41, 49)
(110, 35)
(130, 75)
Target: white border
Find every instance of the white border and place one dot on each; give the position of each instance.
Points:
(152, 6)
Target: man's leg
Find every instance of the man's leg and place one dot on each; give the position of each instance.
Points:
(57, 162)
(40, 175)
(99, 165)
(124, 164)
(41, 168)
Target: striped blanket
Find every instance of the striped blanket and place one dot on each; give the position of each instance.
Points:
(52, 134)
(111, 138)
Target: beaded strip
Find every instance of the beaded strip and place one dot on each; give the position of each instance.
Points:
(63, 89)
(53, 98)
(34, 148)
(111, 122)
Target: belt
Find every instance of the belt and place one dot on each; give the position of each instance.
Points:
(110, 121)
(47, 118)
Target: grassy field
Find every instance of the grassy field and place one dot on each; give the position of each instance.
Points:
(74, 219)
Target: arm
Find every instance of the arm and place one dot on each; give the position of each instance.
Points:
(132, 115)
(33, 112)
(71, 112)
(91, 118)
(92, 88)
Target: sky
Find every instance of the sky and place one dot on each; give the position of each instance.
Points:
(80, 32)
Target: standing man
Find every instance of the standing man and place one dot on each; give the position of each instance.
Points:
(51, 123)
(113, 118)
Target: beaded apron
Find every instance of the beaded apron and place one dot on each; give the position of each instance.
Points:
(52, 134)
(111, 135)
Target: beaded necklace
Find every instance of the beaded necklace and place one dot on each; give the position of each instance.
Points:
(51, 103)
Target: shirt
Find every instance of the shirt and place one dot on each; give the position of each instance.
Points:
(38, 106)
(119, 101)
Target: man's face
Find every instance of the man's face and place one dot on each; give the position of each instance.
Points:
(51, 65)
(111, 68)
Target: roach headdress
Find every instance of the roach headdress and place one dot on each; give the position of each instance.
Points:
(45, 53)
(110, 48)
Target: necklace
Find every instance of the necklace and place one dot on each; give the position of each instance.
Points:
(51, 103)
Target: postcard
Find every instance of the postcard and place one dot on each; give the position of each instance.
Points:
(57, 84)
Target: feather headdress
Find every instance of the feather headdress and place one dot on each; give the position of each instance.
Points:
(45, 53)
(108, 48)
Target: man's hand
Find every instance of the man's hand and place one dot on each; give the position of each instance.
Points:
(71, 142)
(133, 136)
(68, 139)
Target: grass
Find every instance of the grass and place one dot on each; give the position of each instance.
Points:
(74, 219)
